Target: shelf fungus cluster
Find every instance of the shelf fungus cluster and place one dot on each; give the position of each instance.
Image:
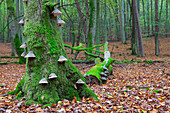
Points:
(44, 81)
(104, 74)
(57, 12)
(24, 54)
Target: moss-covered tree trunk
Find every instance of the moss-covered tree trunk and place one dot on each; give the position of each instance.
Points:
(43, 38)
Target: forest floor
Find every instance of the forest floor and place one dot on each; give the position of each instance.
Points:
(132, 87)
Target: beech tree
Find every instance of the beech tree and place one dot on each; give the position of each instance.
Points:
(43, 38)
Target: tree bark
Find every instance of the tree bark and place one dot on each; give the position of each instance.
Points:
(151, 16)
(12, 26)
(138, 29)
(91, 24)
(81, 17)
(144, 21)
(156, 29)
(167, 21)
(148, 17)
(121, 13)
(97, 25)
(44, 39)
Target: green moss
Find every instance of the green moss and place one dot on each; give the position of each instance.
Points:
(18, 88)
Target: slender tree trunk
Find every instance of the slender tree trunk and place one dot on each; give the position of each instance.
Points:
(105, 23)
(17, 14)
(138, 29)
(144, 17)
(159, 17)
(4, 20)
(167, 21)
(97, 25)
(91, 24)
(151, 16)
(121, 13)
(81, 17)
(21, 27)
(117, 21)
(148, 18)
(94, 22)
(11, 15)
(156, 29)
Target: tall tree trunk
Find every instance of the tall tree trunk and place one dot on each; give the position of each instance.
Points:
(105, 23)
(151, 16)
(17, 14)
(144, 21)
(97, 25)
(44, 39)
(117, 21)
(121, 13)
(138, 29)
(11, 15)
(81, 17)
(4, 20)
(159, 17)
(94, 22)
(167, 21)
(148, 18)
(133, 28)
(156, 29)
(21, 14)
(91, 24)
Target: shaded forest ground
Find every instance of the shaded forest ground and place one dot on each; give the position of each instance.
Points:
(137, 87)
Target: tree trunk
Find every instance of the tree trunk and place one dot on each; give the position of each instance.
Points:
(138, 29)
(12, 26)
(133, 29)
(97, 25)
(159, 27)
(81, 17)
(148, 18)
(151, 16)
(44, 39)
(91, 24)
(17, 14)
(121, 13)
(167, 21)
(144, 21)
(21, 13)
(156, 29)
(105, 23)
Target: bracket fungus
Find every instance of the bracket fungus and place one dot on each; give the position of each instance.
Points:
(56, 12)
(60, 22)
(52, 76)
(104, 79)
(21, 22)
(104, 68)
(24, 54)
(43, 81)
(106, 72)
(24, 45)
(80, 82)
(30, 54)
(103, 74)
(62, 59)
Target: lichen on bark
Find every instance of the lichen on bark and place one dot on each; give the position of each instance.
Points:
(43, 38)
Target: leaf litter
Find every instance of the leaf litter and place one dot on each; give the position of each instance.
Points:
(132, 87)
